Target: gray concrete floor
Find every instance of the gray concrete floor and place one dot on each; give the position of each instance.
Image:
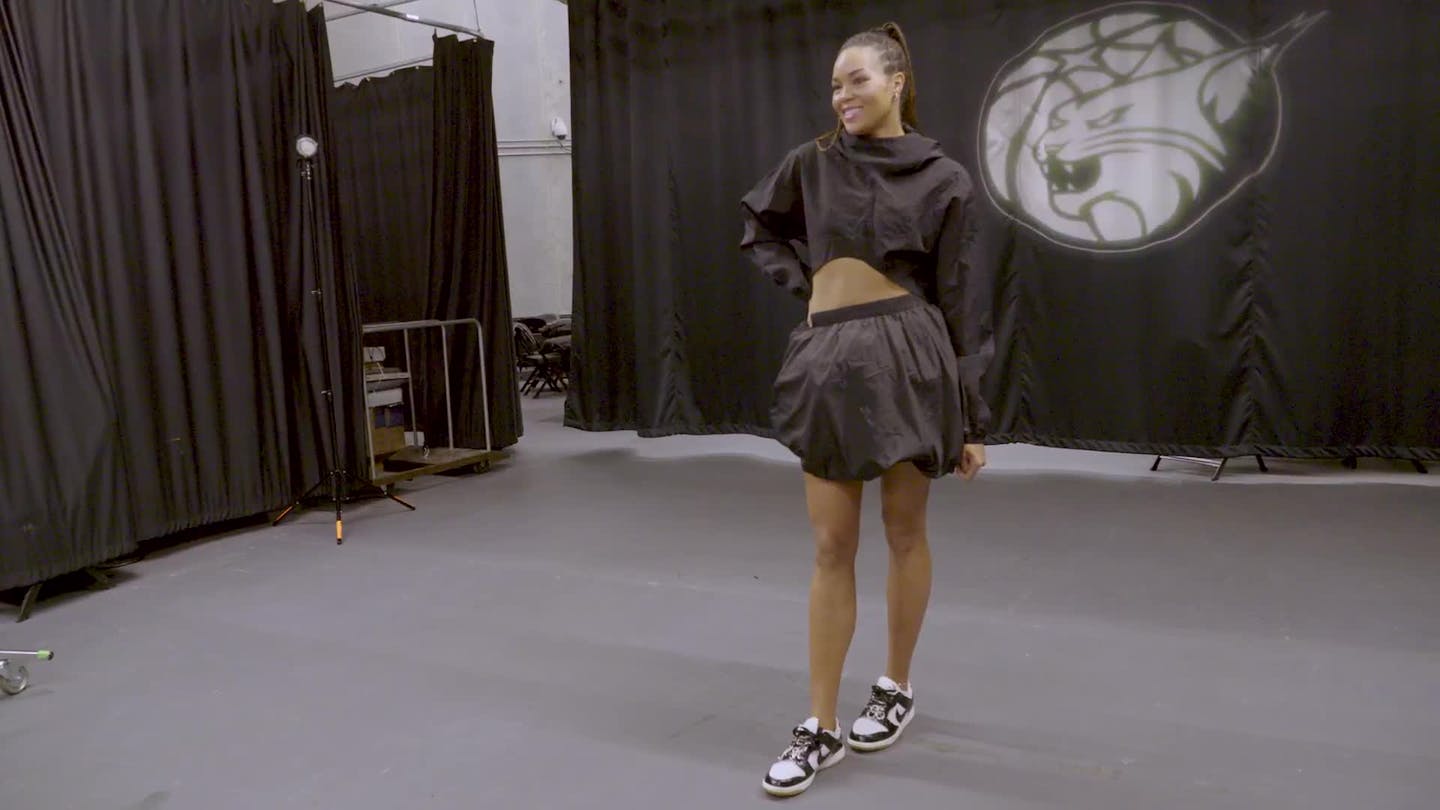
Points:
(610, 622)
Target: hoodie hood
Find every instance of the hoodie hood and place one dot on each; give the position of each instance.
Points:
(908, 153)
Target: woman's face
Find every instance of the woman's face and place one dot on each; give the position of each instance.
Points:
(862, 95)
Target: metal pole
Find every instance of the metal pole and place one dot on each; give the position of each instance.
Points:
(322, 265)
(369, 436)
(407, 17)
(445, 347)
(484, 383)
(410, 380)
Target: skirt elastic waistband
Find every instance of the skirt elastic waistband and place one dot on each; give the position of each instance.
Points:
(869, 309)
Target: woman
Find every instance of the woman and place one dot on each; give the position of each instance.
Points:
(881, 381)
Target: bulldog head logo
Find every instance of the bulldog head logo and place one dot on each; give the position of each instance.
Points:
(1125, 126)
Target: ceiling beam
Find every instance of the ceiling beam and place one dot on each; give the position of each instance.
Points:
(385, 11)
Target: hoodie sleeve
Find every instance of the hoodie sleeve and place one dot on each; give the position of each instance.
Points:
(774, 216)
(965, 302)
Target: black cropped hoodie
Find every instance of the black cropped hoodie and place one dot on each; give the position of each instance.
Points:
(900, 205)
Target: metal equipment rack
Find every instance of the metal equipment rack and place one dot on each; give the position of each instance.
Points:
(430, 460)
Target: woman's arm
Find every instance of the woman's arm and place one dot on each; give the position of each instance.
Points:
(774, 213)
(965, 302)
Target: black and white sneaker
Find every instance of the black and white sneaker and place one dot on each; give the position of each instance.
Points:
(812, 750)
(886, 715)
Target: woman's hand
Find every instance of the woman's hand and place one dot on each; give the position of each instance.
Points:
(971, 460)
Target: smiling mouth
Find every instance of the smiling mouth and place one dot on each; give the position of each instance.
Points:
(1066, 177)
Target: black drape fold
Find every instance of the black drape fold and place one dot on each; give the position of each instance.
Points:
(168, 128)
(469, 275)
(424, 227)
(385, 164)
(64, 503)
(1287, 309)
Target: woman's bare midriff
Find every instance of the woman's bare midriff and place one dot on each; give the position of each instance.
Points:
(848, 282)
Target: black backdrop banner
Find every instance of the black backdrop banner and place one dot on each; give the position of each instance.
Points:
(168, 129)
(424, 229)
(1208, 222)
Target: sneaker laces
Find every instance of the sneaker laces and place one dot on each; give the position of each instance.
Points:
(799, 750)
(879, 704)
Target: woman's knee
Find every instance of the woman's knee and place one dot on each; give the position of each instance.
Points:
(835, 548)
(904, 529)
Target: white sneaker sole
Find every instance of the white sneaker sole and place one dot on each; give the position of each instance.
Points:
(881, 745)
(797, 789)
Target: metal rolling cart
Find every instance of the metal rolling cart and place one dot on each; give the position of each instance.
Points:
(13, 680)
(424, 460)
(1217, 463)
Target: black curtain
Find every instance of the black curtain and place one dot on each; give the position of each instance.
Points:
(63, 497)
(385, 159)
(1271, 291)
(469, 276)
(423, 222)
(169, 130)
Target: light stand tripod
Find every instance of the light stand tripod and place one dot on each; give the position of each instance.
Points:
(338, 477)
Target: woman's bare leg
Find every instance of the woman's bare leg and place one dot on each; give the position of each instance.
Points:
(834, 508)
(905, 493)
